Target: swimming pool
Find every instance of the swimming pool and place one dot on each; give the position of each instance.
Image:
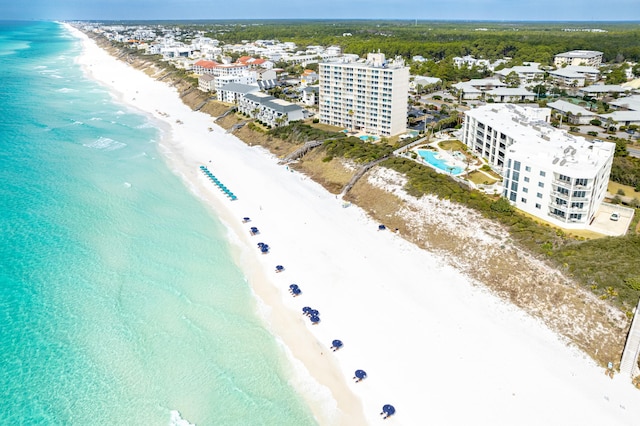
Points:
(431, 157)
(367, 138)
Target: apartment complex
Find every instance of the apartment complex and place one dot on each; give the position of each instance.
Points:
(546, 172)
(590, 58)
(368, 96)
(271, 111)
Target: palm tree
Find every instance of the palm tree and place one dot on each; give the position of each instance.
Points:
(351, 114)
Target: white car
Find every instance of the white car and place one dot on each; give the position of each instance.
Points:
(614, 216)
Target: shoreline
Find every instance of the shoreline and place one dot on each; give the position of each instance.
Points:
(429, 337)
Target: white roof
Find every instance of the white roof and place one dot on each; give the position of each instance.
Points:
(580, 54)
(510, 91)
(629, 102)
(572, 108)
(604, 88)
(622, 116)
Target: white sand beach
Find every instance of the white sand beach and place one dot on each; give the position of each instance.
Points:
(436, 345)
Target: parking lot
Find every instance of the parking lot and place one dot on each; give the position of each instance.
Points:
(603, 224)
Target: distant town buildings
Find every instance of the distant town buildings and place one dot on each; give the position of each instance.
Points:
(368, 96)
(546, 172)
(590, 58)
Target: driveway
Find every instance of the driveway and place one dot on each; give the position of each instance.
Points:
(603, 224)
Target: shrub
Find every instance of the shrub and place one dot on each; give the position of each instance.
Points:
(596, 122)
(316, 120)
(620, 192)
(592, 133)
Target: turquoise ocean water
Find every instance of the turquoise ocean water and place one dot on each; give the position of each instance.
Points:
(119, 300)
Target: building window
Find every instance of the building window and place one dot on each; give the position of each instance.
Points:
(541, 184)
(526, 179)
(525, 190)
(524, 200)
(538, 206)
(539, 195)
(527, 169)
(516, 165)
(543, 174)
(512, 197)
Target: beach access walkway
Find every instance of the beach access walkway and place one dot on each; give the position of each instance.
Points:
(629, 362)
(298, 153)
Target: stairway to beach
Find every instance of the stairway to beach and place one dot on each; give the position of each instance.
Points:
(629, 362)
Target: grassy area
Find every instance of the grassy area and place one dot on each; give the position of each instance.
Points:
(480, 178)
(452, 145)
(629, 191)
(325, 127)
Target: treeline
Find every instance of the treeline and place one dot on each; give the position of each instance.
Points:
(537, 42)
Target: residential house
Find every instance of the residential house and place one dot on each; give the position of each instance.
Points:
(571, 112)
(528, 72)
(206, 83)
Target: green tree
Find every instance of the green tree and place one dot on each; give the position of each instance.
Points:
(512, 79)
(618, 75)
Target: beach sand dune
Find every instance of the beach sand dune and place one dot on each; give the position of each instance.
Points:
(435, 344)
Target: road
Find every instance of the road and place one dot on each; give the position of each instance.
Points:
(634, 152)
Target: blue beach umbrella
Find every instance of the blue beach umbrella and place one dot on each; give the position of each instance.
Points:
(361, 374)
(260, 245)
(306, 310)
(279, 268)
(315, 319)
(381, 228)
(246, 219)
(314, 313)
(296, 291)
(388, 409)
(293, 286)
(254, 230)
(265, 249)
(336, 343)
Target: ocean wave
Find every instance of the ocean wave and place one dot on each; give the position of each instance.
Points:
(66, 90)
(120, 112)
(95, 119)
(176, 419)
(105, 144)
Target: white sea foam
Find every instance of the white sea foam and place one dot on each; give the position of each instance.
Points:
(66, 90)
(176, 419)
(106, 144)
(95, 119)
(127, 185)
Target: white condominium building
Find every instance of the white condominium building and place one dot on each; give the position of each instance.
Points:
(546, 172)
(368, 96)
(590, 58)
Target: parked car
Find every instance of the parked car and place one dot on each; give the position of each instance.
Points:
(614, 216)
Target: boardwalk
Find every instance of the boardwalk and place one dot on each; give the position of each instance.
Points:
(629, 362)
(298, 153)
